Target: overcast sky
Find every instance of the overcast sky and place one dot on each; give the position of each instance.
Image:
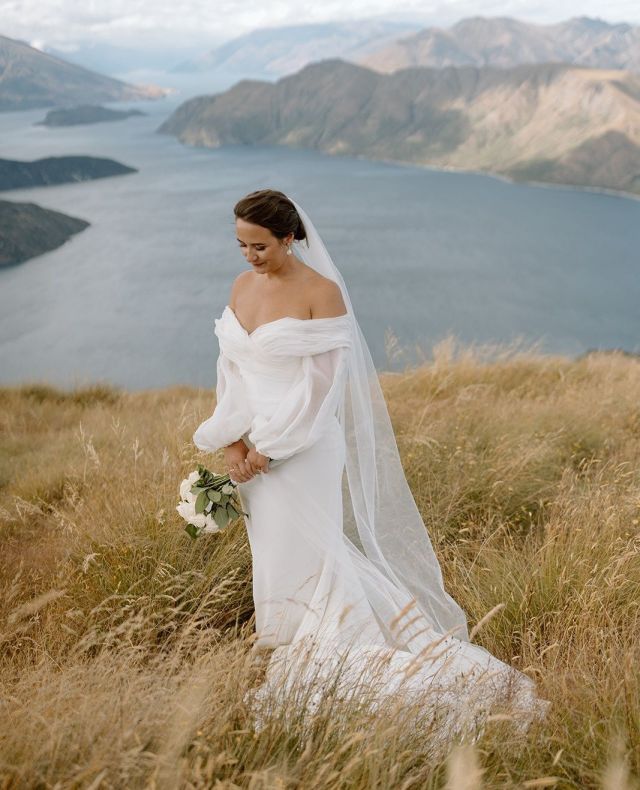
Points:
(148, 23)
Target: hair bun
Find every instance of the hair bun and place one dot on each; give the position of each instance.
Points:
(273, 210)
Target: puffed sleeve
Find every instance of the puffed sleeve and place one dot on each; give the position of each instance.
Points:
(301, 417)
(230, 418)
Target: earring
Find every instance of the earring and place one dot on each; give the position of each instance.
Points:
(289, 250)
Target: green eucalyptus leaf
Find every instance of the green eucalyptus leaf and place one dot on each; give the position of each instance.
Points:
(201, 499)
(221, 518)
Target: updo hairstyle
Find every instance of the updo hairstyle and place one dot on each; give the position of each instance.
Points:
(273, 210)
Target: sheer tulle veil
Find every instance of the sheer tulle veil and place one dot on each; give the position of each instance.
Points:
(386, 534)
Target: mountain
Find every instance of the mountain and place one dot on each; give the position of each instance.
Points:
(27, 230)
(547, 122)
(505, 42)
(276, 51)
(15, 174)
(30, 78)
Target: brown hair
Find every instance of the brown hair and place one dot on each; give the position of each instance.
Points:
(273, 210)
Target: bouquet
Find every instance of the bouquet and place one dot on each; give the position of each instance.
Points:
(207, 502)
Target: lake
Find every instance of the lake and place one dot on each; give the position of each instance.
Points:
(424, 253)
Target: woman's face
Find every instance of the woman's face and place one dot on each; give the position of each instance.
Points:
(262, 250)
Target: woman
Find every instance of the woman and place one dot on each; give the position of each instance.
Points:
(344, 573)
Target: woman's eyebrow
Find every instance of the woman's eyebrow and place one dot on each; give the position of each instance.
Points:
(257, 242)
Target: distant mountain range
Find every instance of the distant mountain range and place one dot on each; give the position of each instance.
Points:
(506, 42)
(386, 46)
(543, 122)
(273, 52)
(30, 78)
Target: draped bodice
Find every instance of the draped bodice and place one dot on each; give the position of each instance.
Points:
(281, 385)
(270, 359)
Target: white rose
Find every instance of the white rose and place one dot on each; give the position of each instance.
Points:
(211, 525)
(198, 520)
(186, 510)
(185, 486)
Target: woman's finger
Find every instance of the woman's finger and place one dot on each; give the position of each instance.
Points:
(248, 469)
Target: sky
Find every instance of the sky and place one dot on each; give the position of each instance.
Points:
(176, 23)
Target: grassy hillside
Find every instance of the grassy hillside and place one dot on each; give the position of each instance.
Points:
(126, 646)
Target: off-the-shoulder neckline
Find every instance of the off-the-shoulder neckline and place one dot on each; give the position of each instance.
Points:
(282, 318)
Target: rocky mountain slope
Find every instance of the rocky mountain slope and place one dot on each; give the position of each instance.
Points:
(544, 122)
(30, 78)
(506, 42)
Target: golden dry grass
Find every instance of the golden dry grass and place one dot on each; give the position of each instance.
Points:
(125, 646)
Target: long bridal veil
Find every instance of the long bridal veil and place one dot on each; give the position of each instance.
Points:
(381, 602)
(382, 520)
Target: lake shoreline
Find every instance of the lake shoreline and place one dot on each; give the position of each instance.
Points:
(500, 177)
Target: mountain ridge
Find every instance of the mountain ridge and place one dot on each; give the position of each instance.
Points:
(506, 42)
(30, 78)
(501, 121)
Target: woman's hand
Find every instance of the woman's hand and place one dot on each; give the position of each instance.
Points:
(259, 463)
(235, 456)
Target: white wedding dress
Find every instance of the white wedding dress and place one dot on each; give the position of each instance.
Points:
(318, 598)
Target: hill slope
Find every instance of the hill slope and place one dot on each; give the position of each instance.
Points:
(526, 471)
(30, 78)
(506, 42)
(547, 122)
(276, 51)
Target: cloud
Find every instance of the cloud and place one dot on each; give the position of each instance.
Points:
(202, 23)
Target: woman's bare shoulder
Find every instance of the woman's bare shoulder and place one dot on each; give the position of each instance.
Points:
(326, 299)
(238, 285)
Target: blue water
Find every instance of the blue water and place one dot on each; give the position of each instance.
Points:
(425, 253)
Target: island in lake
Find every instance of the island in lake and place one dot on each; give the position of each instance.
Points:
(85, 114)
(15, 174)
(27, 230)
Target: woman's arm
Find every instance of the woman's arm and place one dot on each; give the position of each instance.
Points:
(309, 406)
(231, 417)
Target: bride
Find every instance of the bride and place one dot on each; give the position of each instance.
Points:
(345, 581)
